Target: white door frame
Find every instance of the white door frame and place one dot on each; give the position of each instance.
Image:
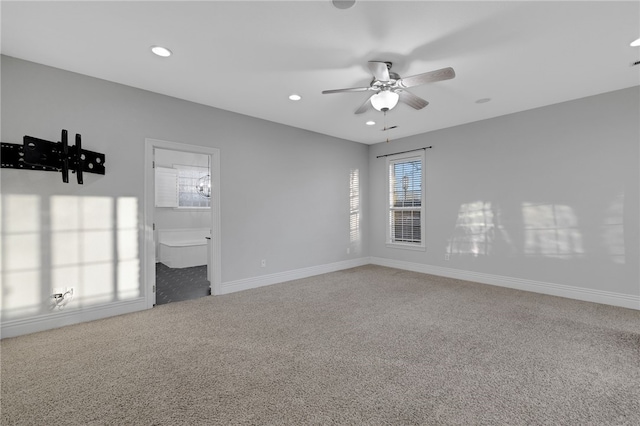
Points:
(149, 249)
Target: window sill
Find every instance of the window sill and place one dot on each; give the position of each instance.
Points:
(414, 247)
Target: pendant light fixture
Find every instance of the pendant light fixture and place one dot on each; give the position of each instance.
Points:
(203, 186)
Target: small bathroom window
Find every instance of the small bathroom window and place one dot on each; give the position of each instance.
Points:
(190, 178)
(181, 187)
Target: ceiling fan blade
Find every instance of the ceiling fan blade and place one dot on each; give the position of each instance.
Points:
(379, 70)
(366, 106)
(353, 89)
(412, 100)
(389, 128)
(427, 77)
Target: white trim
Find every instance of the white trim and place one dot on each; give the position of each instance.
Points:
(585, 294)
(12, 328)
(406, 246)
(149, 261)
(296, 274)
(18, 327)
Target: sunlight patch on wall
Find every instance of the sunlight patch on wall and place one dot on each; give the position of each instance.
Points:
(613, 230)
(128, 266)
(54, 244)
(82, 246)
(551, 230)
(475, 230)
(21, 255)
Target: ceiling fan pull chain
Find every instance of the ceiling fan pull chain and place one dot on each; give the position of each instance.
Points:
(385, 123)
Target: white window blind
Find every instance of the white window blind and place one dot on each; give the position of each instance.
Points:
(166, 187)
(354, 206)
(406, 205)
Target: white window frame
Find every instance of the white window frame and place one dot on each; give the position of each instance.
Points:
(390, 161)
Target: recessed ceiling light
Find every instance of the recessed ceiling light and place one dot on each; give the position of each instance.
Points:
(295, 97)
(161, 51)
(370, 123)
(483, 100)
(343, 4)
(635, 43)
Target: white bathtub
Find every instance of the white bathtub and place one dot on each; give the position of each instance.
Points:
(183, 248)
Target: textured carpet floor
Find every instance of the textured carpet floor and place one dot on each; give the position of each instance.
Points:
(369, 345)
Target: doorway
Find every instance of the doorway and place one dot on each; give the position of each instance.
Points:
(182, 221)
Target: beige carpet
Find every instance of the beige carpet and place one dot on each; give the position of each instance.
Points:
(369, 345)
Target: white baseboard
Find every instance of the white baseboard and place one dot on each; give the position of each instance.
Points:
(570, 292)
(296, 274)
(12, 328)
(18, 327)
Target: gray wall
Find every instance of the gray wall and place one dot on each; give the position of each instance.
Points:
(549, 195)
(284, 191)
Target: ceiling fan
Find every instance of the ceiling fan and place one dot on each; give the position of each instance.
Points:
(389, 87)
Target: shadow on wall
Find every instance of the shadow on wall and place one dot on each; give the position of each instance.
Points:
(84, 247)
(543, 230)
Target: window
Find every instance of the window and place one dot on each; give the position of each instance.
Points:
(354, 206)
(188, 195)
(406, 206)
(177, 187)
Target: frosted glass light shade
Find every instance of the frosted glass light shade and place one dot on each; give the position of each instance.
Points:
(384, 100)
(204, 186)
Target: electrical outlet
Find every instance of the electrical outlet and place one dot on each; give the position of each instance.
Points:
(61, 297)
(446, 256)
(263, 263)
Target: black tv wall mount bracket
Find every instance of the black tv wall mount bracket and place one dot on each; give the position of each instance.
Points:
(38, 154)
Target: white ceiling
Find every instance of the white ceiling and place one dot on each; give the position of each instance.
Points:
(248, 57)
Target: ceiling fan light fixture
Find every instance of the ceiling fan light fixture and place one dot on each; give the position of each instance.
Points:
(385, 100)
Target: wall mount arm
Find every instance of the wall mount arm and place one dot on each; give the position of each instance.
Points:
(39, 154)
